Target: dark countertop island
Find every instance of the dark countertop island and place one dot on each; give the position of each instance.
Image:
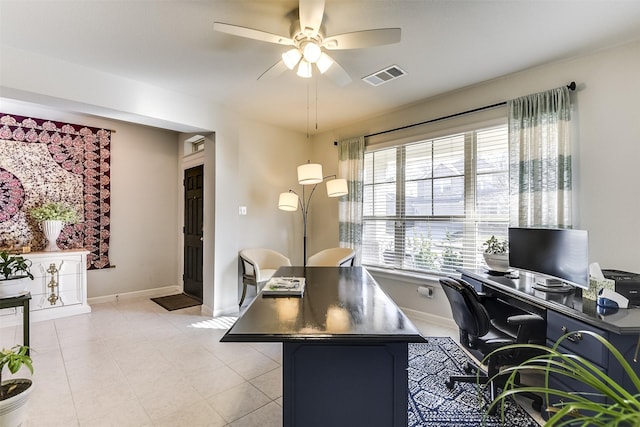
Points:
(345, 348)
(338, 304)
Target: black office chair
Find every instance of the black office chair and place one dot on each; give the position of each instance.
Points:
(482, 332)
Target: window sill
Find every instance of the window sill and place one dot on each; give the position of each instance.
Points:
(407, 276)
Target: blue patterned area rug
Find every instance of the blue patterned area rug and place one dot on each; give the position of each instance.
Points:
(431, 403)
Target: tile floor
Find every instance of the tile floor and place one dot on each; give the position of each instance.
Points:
(132, 363)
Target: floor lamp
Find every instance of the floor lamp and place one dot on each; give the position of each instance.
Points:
(310, 174)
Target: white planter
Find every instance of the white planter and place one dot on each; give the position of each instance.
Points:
(13, 411)
(13, 287)
(497, 262)
(51, 230)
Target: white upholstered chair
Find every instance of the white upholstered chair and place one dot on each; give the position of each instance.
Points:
(258, 265)
(332, 257)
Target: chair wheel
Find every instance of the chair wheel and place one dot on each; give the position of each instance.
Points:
(450, 384)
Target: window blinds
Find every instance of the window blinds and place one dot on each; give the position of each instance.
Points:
(429, 204)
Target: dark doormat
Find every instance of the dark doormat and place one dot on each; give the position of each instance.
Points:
(176, 302)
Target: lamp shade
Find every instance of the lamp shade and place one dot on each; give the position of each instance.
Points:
(324, 62)
(311, 52)
(288, 201)
(310, 173)
(304, 69)
(291, 58)
(337, 187)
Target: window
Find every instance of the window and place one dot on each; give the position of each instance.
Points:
(194, 144)
(430, 204)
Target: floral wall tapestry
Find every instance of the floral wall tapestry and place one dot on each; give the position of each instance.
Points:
(45, 161)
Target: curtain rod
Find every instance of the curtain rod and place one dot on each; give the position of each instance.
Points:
(571, 86)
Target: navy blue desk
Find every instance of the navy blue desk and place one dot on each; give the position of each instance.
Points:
(569, 312)
(345, 348)
(521, 292)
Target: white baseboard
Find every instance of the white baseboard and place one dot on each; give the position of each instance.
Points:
(146, 293)
(226, 311)
(15, 318)
(429, 318)
(205, 310)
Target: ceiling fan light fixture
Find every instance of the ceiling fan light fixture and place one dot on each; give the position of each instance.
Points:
(311, 52)
(304, 69)
(291, 58)
(324, 62)
(307, 35)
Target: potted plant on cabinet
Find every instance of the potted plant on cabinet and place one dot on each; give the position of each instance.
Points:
(14, 274)
(52, 217)
(14, 392)
(496, 254)
(619, 408)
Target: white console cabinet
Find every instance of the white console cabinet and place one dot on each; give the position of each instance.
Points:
(59, 287)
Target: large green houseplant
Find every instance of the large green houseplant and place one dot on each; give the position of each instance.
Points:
(14, 392)
(621, 408)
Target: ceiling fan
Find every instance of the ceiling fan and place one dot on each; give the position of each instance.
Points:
(309, 42)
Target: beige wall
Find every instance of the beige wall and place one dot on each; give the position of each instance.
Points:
(144, 204)
(605, 165)
(246, 163)
(268, 158)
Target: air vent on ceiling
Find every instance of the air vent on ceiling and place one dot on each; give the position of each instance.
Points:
(384, 76)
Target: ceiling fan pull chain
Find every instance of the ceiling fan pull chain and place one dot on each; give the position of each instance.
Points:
(307, 110)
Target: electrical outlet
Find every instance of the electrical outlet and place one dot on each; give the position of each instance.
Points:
(425, 291)
(242, 210)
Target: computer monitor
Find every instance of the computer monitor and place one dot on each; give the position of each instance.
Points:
(551, 253)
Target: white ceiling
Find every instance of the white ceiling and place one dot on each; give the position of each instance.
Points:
(446, 45)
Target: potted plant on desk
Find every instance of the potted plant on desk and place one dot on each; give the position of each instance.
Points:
(14, 392)
(14, 274)
(574, 408)
(496, 254)
(52, 217)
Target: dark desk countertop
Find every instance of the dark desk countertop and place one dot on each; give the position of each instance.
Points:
(340, 304)
(622, 321)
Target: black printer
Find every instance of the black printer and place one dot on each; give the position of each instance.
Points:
(627, 284)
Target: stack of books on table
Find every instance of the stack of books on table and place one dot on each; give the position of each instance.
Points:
(284, 286)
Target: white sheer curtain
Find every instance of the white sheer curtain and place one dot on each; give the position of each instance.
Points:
(351, 167)
(540, 160)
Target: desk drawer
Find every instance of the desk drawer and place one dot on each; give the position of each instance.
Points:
(579, 344)
(559, 382)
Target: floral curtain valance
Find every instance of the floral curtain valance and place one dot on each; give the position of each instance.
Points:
(43, 161)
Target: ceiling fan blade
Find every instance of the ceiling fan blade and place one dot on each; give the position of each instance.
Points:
(274, 71)
(366, 38)
(338, 75)
(250, 33)
(311, 13)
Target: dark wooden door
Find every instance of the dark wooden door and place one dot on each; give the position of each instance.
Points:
(193, 236)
